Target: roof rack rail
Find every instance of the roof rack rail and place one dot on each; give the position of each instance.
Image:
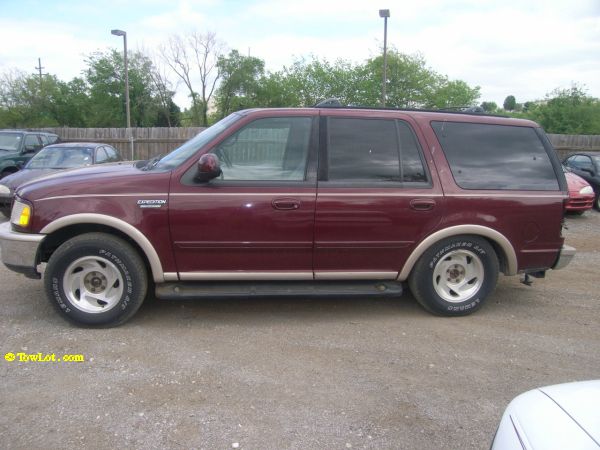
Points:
(335, 103)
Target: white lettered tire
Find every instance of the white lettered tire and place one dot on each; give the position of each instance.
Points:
(455, 276)
(96, 279)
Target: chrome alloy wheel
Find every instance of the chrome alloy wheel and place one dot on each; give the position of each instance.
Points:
(458, 276)
(93, 284)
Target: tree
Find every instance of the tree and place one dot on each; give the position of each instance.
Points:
(453, 94)
(240, 82)
(199, 52)
(106, 84)
(510, 103)
(489, 107)
(568, 111)
(27, 101)
(169, 112)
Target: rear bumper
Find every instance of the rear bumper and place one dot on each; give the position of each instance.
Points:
(564, 257)
(579, 203)
(20, 250)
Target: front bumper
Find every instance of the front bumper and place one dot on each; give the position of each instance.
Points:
(564, 257)
(20, 250)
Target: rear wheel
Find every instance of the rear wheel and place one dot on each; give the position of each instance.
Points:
(455, 276)
(597, 202)
(96, 279)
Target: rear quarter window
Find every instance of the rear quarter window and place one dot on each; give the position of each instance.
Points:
(486, 156)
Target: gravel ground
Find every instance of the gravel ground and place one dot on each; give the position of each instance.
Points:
(293, 373)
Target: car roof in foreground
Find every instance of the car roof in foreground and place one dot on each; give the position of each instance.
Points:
(422, 114)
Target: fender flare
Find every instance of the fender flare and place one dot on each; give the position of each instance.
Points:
(477, 230)
(89, 218)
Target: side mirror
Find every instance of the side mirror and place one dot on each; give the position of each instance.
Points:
(208, 167)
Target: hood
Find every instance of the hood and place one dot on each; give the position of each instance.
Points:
(581, 402)
(575, 182)
(23, 176)
(553, 417)
(116, 178)
(8, 154)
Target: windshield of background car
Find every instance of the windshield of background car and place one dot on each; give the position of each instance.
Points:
(179, 155)
(596, 160)
(10, 141)
(61, 158)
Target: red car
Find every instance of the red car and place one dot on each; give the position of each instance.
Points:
(323, 200)
(581, 194)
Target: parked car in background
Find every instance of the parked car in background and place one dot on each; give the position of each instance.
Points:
(587, 166)
(563, 416)
(55, 158)
(18, 146)
(581, 194)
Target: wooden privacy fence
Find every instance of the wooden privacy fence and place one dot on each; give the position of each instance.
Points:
(150, 142)
(565, 144)
(147, 142)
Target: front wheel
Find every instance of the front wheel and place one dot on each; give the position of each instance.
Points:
(597, 202)
(96, 279)
(455, 276)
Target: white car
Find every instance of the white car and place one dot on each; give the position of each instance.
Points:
(563, 416)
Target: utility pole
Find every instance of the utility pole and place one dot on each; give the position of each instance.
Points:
(384, 13)
(39, 69)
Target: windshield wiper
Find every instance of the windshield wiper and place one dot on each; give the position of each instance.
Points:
(152, 162)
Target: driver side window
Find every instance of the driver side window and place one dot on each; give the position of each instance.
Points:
(267, 149)
(31, 142)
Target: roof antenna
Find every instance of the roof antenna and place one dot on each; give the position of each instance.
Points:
(329, 103)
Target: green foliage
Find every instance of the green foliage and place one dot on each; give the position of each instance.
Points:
(510, 103)
(240, 80)
(489, 107)
(567, 111)
(96, 100)
(106, 82)
(410, 84)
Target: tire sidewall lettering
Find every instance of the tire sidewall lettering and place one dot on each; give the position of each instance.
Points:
(58, 289)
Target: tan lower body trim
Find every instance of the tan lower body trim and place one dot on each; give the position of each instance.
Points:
(354, 275)
(245, 276)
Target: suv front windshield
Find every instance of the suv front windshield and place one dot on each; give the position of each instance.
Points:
(179, 155)
(10, 142)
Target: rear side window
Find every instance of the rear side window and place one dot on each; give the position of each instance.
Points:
(368, 150)
(483, 156)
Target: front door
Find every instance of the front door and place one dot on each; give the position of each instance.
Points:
(256, 221)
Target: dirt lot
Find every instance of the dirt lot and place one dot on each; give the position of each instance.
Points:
(296, 374)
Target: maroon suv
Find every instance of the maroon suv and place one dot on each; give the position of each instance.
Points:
(300, 201)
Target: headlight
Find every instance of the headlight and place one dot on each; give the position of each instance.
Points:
(586, 190)
(4, 190)
(21, 214)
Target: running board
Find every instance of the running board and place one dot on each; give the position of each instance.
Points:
(233, 289)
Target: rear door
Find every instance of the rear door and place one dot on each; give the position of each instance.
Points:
(376, 197)
(256, 221)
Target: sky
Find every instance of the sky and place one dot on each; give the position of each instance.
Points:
(525, 48)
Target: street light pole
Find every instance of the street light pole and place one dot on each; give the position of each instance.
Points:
(127, 111)
(385, 13)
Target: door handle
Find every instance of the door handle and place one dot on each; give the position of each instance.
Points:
(286, 203)
(422, 204)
